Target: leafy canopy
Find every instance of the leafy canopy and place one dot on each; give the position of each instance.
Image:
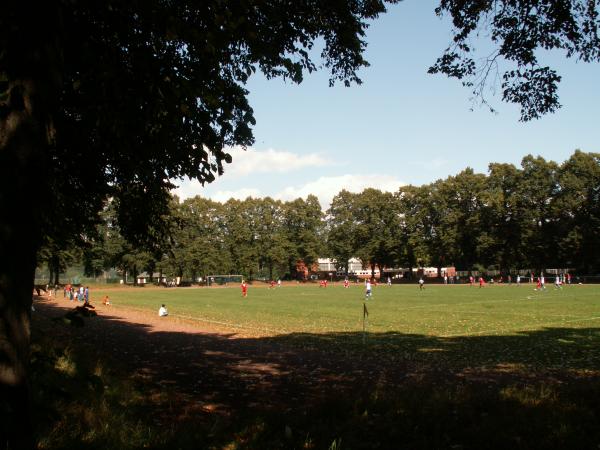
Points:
(519, 31)
(151, 91)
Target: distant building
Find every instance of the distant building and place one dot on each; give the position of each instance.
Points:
(356, 269)
(432, 272)
(144, 278)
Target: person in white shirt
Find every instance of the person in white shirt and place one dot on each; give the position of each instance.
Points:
(368, 289)
(162, 312)
(543, 282)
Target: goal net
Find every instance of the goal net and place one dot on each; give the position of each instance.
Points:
(221, 280)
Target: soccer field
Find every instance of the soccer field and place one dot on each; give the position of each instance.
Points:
(447, 367)
(439, 310)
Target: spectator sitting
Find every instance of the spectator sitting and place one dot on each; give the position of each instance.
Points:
(106, 300)
(162, 312)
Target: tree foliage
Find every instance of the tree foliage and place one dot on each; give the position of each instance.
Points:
(533, 217)
(519, 31)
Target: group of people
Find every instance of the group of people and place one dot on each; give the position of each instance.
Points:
(272, 285)
(81, 294)
(559, 280)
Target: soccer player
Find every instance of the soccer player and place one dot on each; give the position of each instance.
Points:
(244, 289)
(481, 282)
(557, 282)
(346, 283)
(367, 289)
(471, 280)
(518, 280)
(421, 284)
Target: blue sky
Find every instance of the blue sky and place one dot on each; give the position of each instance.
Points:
(401, 126)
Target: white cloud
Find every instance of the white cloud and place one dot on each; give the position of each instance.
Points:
(192, 188)
(325, 188)
(240, 194)
(254, 161)
(188, 188)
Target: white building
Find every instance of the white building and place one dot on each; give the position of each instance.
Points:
(355, 268)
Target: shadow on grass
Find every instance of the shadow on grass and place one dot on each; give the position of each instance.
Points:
(113, 384)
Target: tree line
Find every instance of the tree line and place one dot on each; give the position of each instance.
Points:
(536, 216)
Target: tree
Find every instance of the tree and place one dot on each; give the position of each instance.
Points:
(502, 219)
(270, 235)
(578, 212)
(240, 236)
(196, 239)
(377, 228)
(125, 97)
(302, 222)
(415, 225)
(462, 196)
(341, 229)
(58, 259)
(519, 30)
(538, 189)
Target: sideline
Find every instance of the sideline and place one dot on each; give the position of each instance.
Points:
(203, 320)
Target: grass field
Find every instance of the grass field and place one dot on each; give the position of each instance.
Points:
(443, 311)
(453, 367)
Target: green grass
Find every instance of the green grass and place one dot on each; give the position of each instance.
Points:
(450, 367)
(442, 311)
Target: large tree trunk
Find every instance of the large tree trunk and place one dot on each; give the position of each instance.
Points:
(55, 271)
(20, 226)
(56, 277)
(28, 62)
(50, 273)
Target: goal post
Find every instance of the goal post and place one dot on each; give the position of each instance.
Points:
(223, 280)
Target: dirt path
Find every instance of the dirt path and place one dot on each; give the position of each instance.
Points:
(220, 368)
